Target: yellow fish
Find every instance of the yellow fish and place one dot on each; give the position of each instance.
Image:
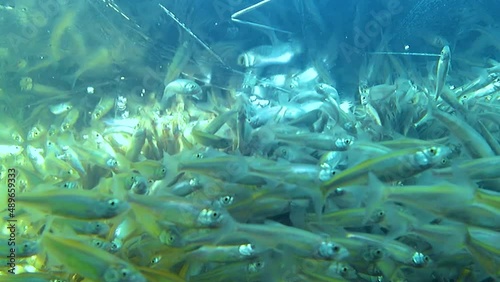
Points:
(88, 261)
(77, 204)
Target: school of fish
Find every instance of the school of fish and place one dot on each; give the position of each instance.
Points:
(279, 178)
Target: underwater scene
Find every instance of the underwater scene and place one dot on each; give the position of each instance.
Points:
(249, 140)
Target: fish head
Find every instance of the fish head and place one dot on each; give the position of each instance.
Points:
(113, 207)
(192, 88)
(445, 53)
(332, 250)
(432, 156)
(246, 60)
(34, 133)
(121, 272)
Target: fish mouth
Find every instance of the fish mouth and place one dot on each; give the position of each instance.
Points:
(244, 60)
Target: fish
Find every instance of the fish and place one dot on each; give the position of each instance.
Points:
(428, 196)
(179, 211)
(266, 55)
(211, 140)
(181, 58)
(75, 204)
(64, 22)
(353, 217)
(474, 142)
(101, 59)
(209, 253)
(10, 151)
(88, 261)
(135, 147)
(70, 156)
(316, 141)
(396, 165)
(184, 87)
(83, 227)
(36, 158)
(300, 242)
(443, 67)
(326, 270)
(251, 270)
(70, 120)
(33, 277)
(151, 169)
(24, 247)
(481, 243)
(475, 169)
(95, 157)
(36, 132)
(10, 133)
(396, 250)
(230, 168)
(103, 107)
(60, 108)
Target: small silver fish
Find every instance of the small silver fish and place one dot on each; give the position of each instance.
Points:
(267, 55)
(442, 69)
(60, 108)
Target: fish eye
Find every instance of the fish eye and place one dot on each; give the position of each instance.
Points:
(433, 151)
(113, 203)
(444, 161)
(125, 273)
(241, 60)
(338, 191)
(336, 249)
(215, 214)
(155, 260)
(347, 141)
(344, 269)
(227, 200)
(114, 246)
(199, 156)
